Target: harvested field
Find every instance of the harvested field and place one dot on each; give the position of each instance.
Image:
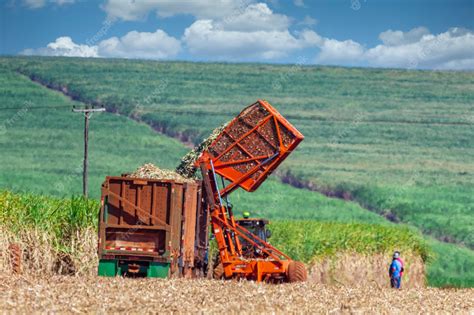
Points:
(41, 256)
(100, 295)
(186, 167)
(44, 254)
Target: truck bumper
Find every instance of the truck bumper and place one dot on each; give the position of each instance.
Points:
(112, 268)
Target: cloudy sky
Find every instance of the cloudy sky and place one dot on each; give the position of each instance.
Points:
(425, 34)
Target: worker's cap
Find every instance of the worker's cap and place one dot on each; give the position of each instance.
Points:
(396, 254)
(246, 214)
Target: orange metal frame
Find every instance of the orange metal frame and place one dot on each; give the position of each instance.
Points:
(224, 227)
(265, 163)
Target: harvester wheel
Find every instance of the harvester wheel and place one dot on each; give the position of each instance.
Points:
(296, 272)
(218, 272)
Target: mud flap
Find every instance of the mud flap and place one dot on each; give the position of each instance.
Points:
(158, 270)
(107, 268)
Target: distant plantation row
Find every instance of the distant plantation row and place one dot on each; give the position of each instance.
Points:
(398, 142)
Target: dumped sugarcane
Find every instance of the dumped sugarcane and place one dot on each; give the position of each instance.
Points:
(150, 171)
(186, 168)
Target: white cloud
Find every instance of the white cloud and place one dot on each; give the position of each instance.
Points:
(396, 38)
(339, 52)
(63, 46)
(310, 38)
(255, 17)
(299, 3)
(63, 2)
(135, 10)
(36, 4)
(451, 49)
(256, 33)
(145, 45)
(203, 39)
(236, 30)
(462, 64)
(308, 21)
(416, 48)
(157, 45)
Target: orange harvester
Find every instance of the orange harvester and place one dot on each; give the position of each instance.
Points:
(249, 149)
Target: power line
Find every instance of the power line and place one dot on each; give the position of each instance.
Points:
(289, 116)
(171, 111)
(34, 107)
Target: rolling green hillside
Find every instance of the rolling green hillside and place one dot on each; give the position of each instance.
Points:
(42, 149)
(42, 153)
(401, 143)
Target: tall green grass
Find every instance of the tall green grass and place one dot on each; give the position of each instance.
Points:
(451, 266)
(308, 240)
(301, 239)
(57, 236)
(62, 217)
(447, 265)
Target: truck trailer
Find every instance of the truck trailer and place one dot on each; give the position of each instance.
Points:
(148, 227)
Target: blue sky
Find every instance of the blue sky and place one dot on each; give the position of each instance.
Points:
(407, 34)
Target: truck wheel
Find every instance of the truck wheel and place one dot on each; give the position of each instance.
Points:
(218, 272)
(297, 272)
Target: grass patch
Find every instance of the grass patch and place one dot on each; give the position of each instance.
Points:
(451, 266)
(307, 240)
(62, 217)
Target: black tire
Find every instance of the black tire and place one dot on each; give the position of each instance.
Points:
(297, 272)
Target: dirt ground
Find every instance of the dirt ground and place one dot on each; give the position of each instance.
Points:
(66, 294)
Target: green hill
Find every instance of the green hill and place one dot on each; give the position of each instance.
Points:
(43, 148)
(42, 152)
(399, 142)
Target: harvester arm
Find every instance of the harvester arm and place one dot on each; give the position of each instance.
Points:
(250, 147)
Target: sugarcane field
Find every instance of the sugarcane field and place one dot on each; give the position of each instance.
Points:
(254, 157)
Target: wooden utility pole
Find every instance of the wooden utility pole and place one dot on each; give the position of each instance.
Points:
(87, 115)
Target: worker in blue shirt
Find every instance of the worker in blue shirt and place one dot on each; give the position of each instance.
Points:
(396, 271)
